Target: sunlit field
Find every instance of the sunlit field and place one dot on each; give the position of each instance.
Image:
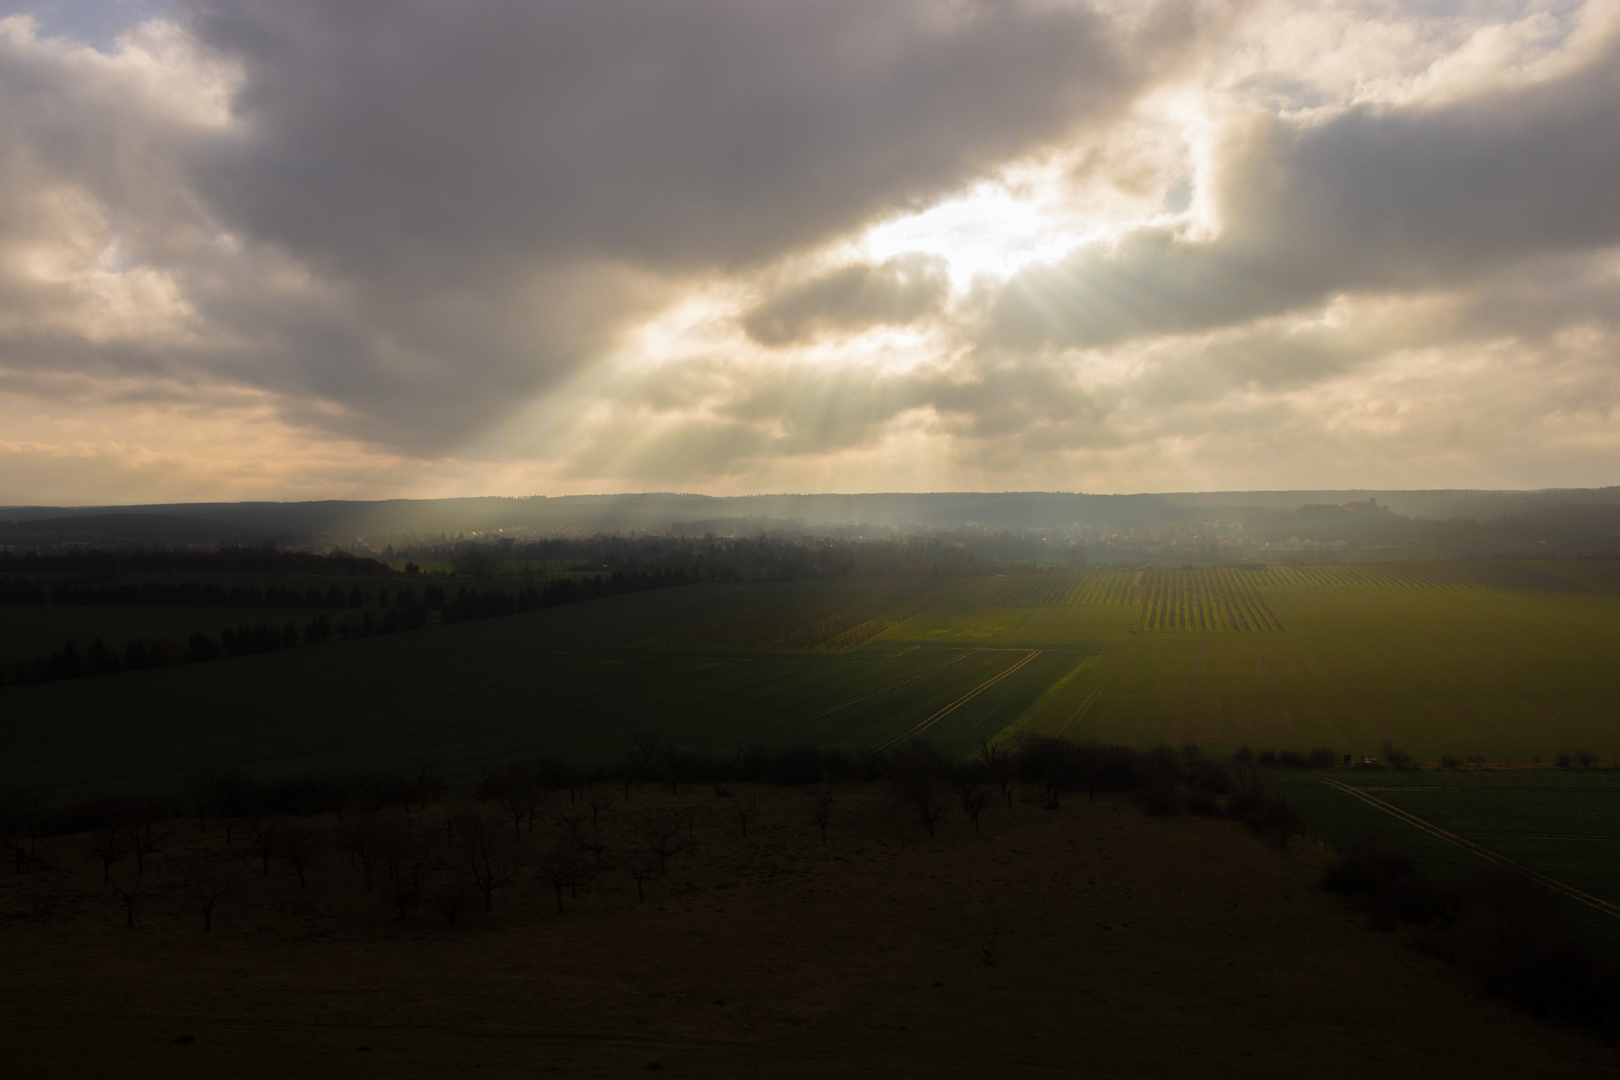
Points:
(1449, 658)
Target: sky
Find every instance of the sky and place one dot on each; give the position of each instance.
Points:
(297, 249)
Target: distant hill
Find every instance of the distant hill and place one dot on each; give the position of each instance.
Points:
(1594, 512)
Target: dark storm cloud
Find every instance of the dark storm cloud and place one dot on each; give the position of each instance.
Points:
(1376, 198)
(410, 138)
(435, 211)
(896, 291)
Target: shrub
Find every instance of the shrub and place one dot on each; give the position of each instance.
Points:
(1395, 757)
(1563, 761)
(1511, 933)
(1386, 885)
(1263, 808)
(1323, 758)
(1449, 761)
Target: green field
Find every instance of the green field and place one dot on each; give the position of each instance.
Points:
(1509, 660)
(1561, 823)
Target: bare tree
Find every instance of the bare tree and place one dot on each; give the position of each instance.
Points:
(263, 838)
(821, 800)
(561, 867)
(133, 897)
(598, 804)
(429, 783)
(969, 791)
(918, 782)
(19, 821)
(662, 834)
(998, 765)
(107, 845)
(648, 747)
(513, 788)
(408, 860)
(200, 789)
(745, 810)
(641, 866)
(209, 885)
(143, 837)
(492, 855)
(297, 845)
(357, 835)
(452, 899)
(586, 837)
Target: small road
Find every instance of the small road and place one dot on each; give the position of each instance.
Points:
(774, 728)
(1483, 852)
(923, 726)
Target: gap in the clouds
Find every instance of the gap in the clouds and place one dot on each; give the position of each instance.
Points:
(97, 23)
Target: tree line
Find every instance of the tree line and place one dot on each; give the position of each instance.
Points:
(380, 612)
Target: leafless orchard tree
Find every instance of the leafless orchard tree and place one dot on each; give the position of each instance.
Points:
(454, 898)
(587, 838)
(408, 860)
(200, 790)
(648, 749)
(599, 803)
(821, 800)
(918, 783)
(357, 836)
(132, 895)
(209, 885)
(429, 783)
(998, 765)
(19, 821)
(969, 791)
(513, 788)
(662, 835)
(107, 846)
(298, 846)
(492, 855)
(143, 835)
(745, 811)
(561, 866)
(641, 866)
(264, 836)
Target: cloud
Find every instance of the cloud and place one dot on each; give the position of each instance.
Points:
(254, 247)
(1367, 198)
(403, 218)
(897, 291)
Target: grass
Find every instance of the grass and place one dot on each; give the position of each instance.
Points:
(1092, 940)
(1433, 656)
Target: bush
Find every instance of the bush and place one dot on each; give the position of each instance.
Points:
(1563, 761)
(1386, 885)
(1511, 933)
(1395, 757)
(1263, 809)
(1323, 758)
(1450, 761)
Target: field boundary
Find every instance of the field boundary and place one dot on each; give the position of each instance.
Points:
(1091, 698)
(919, 728)
(774, 728)
(1486, 853)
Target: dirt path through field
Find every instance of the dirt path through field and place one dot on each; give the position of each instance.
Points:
(1483, 852)
(918, 729)
(774, 728)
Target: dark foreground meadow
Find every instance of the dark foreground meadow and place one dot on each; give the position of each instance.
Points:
(1089, 939)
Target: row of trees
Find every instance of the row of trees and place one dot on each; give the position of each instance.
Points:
(403, 612)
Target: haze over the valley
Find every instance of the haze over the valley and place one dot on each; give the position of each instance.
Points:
(293, 249)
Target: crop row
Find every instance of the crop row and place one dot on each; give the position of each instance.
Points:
(1385, 575)
(1079, 587)
(834, 617)
(1207, 600)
